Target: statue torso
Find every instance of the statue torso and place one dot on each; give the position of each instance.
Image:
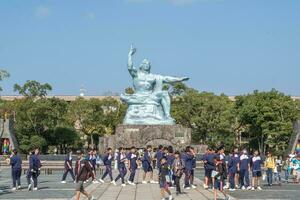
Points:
(144, 82)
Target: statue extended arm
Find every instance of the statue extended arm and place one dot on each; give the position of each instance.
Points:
(171, 79)
(130, 66)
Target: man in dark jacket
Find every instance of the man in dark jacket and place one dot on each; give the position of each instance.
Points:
(16, 169)
(82, 171)
(68, 168)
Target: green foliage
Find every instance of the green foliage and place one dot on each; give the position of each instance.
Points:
(37, 118)
(33, 89)
(129, 90)
(3, 74)
(211, 117)
(96, 116)
(268, 118)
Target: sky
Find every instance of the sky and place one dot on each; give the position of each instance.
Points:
(224, 46)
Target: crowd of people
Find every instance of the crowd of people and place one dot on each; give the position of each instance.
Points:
(237, 170)
(241, 170)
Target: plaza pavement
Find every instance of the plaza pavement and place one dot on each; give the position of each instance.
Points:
(50, 188)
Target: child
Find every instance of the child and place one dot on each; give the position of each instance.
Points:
(170, 160)
(256, 170)
(68, 168)
(121, 159)
(233, 169)
(177, 168)
(146, 163)
(164, 178)
(219, 176)
(107, 160)
(82, 170)
(132, 165)
(244, 166)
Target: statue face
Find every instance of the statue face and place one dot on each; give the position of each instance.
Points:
(145, 66)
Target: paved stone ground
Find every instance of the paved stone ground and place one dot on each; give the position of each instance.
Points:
(50, 188)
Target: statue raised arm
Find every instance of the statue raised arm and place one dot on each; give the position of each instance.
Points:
(131, 69)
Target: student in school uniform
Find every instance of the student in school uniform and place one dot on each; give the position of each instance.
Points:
(146, 164)
(256, 162)
(177, 168)
(193, 168)
(233, 168)
(82, 171)
(68, 168)
(16, 169)
(163, 177)
(219, 176)
(158, 156)
(209, 166)
(187, 158)
(92, 161)
(169, 154)
(121, 159)
(107, 160)
(132, 164)
(34, 169)
(244, 166)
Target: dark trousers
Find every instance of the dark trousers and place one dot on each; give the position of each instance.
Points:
(177, 183)
(122, 173)
(244, 177)
(132, 174)
(269, 176)
(187, 177)
(108, 171)
(231, 180)
(16, 175)
(66, 173)
(32, 176)
(192, 176)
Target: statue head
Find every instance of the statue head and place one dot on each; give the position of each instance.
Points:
(145, 66)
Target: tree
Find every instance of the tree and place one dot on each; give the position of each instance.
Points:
(95, 116)
(33, 89)
(268, 118)
(3, 74)
(210, 117)
(37, 118)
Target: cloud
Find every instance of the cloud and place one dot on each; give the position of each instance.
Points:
(182, 2)
(90, 16)
(42, 11)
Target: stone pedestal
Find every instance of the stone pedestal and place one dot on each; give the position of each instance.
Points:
(142, 135)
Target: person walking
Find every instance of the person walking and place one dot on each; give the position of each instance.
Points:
(132, 165)
(16, 169)
(107, 161)
(34, 169)
(121, 159)
(82, 171)
(68, 168)
(163, 179)
(270, 166)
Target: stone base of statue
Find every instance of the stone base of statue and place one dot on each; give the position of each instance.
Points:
(142, 135)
